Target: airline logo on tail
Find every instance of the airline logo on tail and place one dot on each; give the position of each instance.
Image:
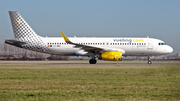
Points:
(25, 34)
(19, 21)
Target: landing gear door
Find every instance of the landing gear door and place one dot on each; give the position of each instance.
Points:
(149, 44)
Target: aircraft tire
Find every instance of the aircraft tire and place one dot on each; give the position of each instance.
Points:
(149, 62)
(92, 61)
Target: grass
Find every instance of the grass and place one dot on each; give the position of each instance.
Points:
(86, 82)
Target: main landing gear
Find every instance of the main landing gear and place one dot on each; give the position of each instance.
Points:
(92, 61)
(149, 61)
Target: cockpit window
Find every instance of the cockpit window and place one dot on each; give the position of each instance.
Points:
(162, 43)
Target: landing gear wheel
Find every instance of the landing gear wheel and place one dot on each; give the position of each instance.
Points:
(149, 62)
(92, 61)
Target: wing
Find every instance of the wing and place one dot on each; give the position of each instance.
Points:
(88, 48)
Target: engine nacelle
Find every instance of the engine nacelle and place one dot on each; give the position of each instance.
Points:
(111, 56)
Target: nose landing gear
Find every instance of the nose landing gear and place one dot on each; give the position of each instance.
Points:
(149, 60)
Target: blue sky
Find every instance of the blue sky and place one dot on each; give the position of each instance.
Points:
(97, 18)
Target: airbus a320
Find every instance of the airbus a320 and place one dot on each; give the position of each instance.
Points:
(109, 48)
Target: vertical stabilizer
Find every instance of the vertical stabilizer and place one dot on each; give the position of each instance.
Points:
(20, 27)
(24, 33)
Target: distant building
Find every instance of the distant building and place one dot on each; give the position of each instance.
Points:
(178, 54)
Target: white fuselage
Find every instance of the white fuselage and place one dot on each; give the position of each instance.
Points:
(128, 46)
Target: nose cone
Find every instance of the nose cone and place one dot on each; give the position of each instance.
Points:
(169, 49)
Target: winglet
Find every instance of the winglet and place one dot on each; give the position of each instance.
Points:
(65, 38)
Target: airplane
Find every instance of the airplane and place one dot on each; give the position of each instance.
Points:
(103, 48)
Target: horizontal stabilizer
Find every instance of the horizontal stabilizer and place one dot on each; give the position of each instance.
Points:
(14, 42)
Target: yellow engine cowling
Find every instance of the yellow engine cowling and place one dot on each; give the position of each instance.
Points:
(111, 56)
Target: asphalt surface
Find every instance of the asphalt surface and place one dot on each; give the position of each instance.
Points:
(86, 62)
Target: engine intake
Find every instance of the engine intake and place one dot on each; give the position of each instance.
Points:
(111, 56)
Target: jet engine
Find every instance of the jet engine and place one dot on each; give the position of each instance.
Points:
(111, 56)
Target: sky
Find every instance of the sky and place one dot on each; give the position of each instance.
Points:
(97, 18)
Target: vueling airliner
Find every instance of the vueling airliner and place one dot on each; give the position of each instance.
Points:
(109, 49)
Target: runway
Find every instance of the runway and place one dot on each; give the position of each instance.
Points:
(87, 62)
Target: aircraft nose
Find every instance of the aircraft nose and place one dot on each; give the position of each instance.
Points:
(169, 49)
